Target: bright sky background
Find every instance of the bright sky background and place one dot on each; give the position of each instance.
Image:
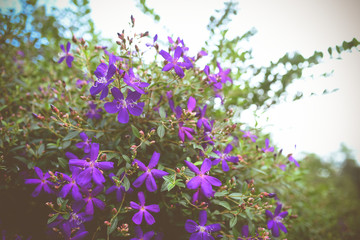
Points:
(316, 124)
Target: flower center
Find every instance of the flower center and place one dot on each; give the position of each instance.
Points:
(202, 229)
(102, 80)
(278, 219)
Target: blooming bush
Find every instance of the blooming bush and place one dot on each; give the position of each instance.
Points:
(201, 162)
(173, 153)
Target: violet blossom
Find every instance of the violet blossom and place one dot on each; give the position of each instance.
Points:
(91, 167)
(93, 112)
(248, 134)
(104, 73)
(173, 62)
(292, 159)
(267, 148)
(86, 144)
(122, 106)
(202, 180)
(203, 120)
(134, 81)
(149, 174)
(224, 158)
(66, 55)
(143, 210)
(43, 182)
(275, 222)
(90, 199)
(71, 185)
(201, 231)
(117, 187)
(141, 236)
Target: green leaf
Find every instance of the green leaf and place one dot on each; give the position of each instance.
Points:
(161, 131)
(63, 162)
(50, 220)
(113, 226)
(162, 113)
(237, 196)
(126, 183)
(170, 186)
(40, 150)
(223, 204)
(221, 194)
(71, 135)
(233, 221)
(135, 131)
(214, 155)
(127, 159)
(249, 213)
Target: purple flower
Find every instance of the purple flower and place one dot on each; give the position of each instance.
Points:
(200, 231)
(90, 200)
(93, 112)
(191, 105)
(42, 182)
(212, 79)
(224, 157)
(112, 58)
(275, 222)
(66, 55)
(104, 74)
(173, 62)
(91, 168)
(149, 173)
(117, 187)
(244, 232)
(134, 81)
(71, 185)
(292, 159)
(171, 101)
(141, 236)
(143, 210)
(122, 106)
(185, 131)
(152, 44)
(247, 134)
(202, 180)
(203, 120)
(76, 232)
(267, 148)
(223, 74)
(85, 144)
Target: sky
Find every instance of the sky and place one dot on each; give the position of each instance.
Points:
(317, 123)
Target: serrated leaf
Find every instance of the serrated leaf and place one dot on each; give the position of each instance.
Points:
(63, 162)
(162, 112)
(161, 131)
(71, 135)
(233, 222)
(135, 131)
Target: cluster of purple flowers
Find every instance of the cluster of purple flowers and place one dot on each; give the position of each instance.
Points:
(86, 183)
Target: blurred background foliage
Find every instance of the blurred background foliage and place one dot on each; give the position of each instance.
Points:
(324, 195)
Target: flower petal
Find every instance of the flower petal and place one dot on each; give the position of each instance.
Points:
(140, 164)
(153, 208)
(191, 226)
(202, 217)
(213, 181)
(154, 160)
(213, 227)
(141, 198)
(228, 148)
(140, 180)
(150, 183)
(192, 167)
(123, 116)
(149, 218)
(158, 173)
(137, 218)
(206, 165)
(194, 182)
(134, 205)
